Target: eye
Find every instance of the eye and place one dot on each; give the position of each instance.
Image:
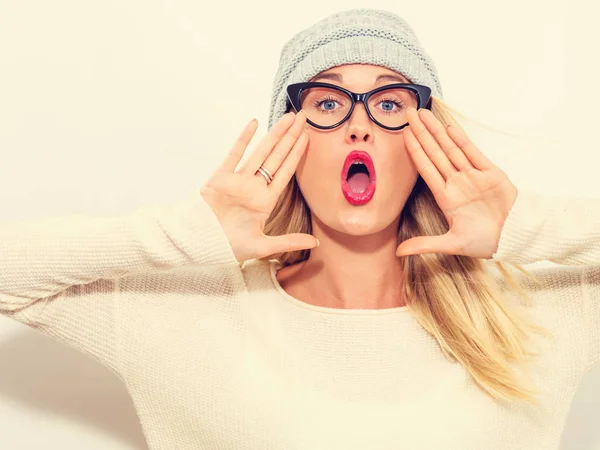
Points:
(389, 105)
(328, 101)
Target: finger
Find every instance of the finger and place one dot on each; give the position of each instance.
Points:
(424, 165)
(426, 244)
(267, 143)
(476, 157)
(290, 243)
(284, 146)
(430, 145)
(454, 152)
(288, 168)
(239, 147)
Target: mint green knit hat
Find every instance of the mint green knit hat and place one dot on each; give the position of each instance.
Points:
(368, 36)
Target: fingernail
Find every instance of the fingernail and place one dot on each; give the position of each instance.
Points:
(318, 243)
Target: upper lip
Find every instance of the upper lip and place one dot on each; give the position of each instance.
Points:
(362, 156)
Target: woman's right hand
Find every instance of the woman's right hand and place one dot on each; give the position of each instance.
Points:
(242, 200)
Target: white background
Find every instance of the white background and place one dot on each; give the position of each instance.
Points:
(108, 105)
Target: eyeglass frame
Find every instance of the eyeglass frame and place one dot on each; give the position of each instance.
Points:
(294, 92)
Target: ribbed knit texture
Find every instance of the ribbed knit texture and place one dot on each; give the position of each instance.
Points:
(367, 36)
(217, 356)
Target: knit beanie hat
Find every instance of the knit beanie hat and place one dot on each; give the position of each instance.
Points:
(368, 36)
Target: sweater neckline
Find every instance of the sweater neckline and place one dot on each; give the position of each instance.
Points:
(275, 265)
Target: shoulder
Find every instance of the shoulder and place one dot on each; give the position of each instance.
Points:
(554, 295)
(557, 303)
(260, 273)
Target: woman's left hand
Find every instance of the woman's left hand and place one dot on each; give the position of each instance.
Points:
(473, 193)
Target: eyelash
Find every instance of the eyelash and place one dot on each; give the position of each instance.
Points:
(329, 99)
(319, 102)
(399, 104)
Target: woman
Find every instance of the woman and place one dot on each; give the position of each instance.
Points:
(303, 301)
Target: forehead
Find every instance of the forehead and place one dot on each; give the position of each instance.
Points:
(360, 74)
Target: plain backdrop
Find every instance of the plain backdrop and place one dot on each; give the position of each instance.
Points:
(105, 106)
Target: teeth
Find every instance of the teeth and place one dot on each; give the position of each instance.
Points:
(357, 162)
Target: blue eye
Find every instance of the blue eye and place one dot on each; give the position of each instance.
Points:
(328, 103)
(389, 106)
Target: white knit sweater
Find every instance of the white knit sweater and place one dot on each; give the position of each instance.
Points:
(216, 355)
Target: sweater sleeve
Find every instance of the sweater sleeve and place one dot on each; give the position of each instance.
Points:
(562, 230)
(565, 231)
(61, 274)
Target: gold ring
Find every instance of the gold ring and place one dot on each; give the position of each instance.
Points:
(266, 174)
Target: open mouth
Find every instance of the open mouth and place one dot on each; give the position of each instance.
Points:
(358, 177)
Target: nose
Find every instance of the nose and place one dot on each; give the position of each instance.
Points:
(359, 125)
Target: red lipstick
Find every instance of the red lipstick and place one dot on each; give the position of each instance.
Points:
(358, 198)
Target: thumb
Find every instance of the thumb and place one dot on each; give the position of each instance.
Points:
(291, 242)
(424, 244)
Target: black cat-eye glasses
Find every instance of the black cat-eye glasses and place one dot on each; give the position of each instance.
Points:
(328, 106)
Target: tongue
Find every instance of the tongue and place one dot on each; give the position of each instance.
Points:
(359, 182)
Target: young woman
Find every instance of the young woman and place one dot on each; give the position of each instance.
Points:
(344, 287)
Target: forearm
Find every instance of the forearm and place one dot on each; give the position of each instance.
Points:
(42, 257)
(562, 230)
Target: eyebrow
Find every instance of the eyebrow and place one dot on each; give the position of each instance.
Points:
(381, 78)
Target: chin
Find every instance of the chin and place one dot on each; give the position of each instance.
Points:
(336, 213)
(361, 222)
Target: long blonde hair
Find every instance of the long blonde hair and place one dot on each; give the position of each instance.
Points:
(454, 298)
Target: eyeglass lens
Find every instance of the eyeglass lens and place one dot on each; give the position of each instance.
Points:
(326, 106)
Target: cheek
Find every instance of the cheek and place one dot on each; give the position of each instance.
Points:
(394, 158)
(314, 163)
(400, 174)
(305, 169)
(406, 163)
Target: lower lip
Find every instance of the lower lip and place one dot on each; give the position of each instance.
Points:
(358, 198)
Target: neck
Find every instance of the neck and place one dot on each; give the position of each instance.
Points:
(354, 272)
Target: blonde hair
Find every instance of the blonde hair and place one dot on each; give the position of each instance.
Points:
(454, 298)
